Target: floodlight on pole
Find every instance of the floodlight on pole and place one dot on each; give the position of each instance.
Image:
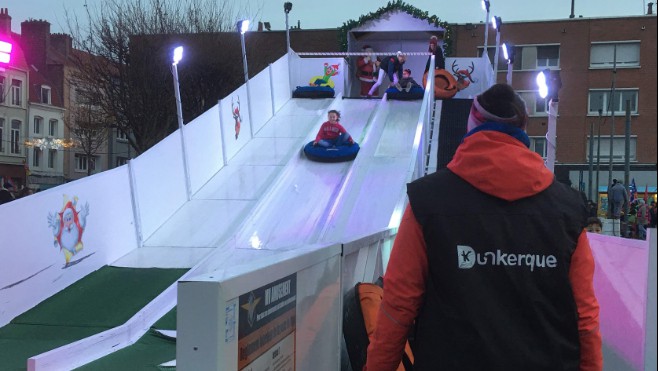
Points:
(486, 5)
(549, 84)
(177, 57)
(508, 54)
(5, 51)
(497, 25)
(243, 26)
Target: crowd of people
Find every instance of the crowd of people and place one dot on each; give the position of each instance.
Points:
(8, 193)
(373, 72)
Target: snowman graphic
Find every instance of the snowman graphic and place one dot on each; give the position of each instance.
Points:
(67, 226)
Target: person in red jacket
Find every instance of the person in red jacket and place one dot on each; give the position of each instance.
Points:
(491, 266)
(331, 133)
(366, 67)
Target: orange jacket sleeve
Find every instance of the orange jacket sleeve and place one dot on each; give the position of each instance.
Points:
(581, 275)
(404, 287)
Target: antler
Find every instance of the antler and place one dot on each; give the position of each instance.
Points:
(454, 67)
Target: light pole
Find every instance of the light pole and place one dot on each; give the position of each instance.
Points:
(497, 24)
(243, 26)
(178, 55)
(287, 7)
(486, 5)
(508, 54)
(549, 84)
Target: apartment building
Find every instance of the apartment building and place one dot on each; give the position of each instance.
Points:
(602, 63)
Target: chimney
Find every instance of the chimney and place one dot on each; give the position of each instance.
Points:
(61, 42)
(5, 22)
(35, 41)
(649, 8)
(260, 26)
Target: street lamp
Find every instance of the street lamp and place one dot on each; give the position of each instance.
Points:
(508, 54)
(243, 26)
(497, 24)
(549, 84)
(287, 7)
(486, 5)
(177, 57)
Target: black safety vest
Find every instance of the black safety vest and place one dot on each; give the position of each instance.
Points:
(498, 295)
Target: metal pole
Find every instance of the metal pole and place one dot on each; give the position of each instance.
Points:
(598, 155)
(550, 134)
(627, 151)
(287, 34)
(612, 118)
(244, 58)
(591, 160)
(486, 33)
(509, 73)
(495, 70)
(179, 109)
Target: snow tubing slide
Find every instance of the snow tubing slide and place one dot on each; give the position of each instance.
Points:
(337, 154)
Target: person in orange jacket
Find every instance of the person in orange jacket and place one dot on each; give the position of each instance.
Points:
(332, 133)
(491, 267)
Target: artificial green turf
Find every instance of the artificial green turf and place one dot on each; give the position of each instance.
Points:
(147, 353)
(104, 299)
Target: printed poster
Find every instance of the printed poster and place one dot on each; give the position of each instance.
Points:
(266, 327)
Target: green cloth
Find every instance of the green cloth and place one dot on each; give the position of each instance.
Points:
(102, 300)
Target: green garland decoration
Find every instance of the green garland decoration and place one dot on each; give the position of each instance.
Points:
(400, 6)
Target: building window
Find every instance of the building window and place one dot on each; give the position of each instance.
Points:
(36, 156)
(38, 123)
(15, 141)
(602, 55)
(52, 128)
(535, 104)
(2, 135)
(600, 100)
(121, 161)
(548, 56)
(81, 162)
(528, 57)
(538, 144)
(618, 149)
(2, 89)
(52, 158)
(16, 92)
(45, 94)
(122, 136)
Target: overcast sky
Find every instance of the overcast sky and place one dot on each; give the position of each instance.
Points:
(332, 14)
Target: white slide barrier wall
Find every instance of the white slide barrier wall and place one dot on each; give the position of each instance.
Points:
(159, 183)
(281, 88)
(307, 70)
(476, 71)
(203, 143)
(33, 267)
(260, 94)
(279, 311)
